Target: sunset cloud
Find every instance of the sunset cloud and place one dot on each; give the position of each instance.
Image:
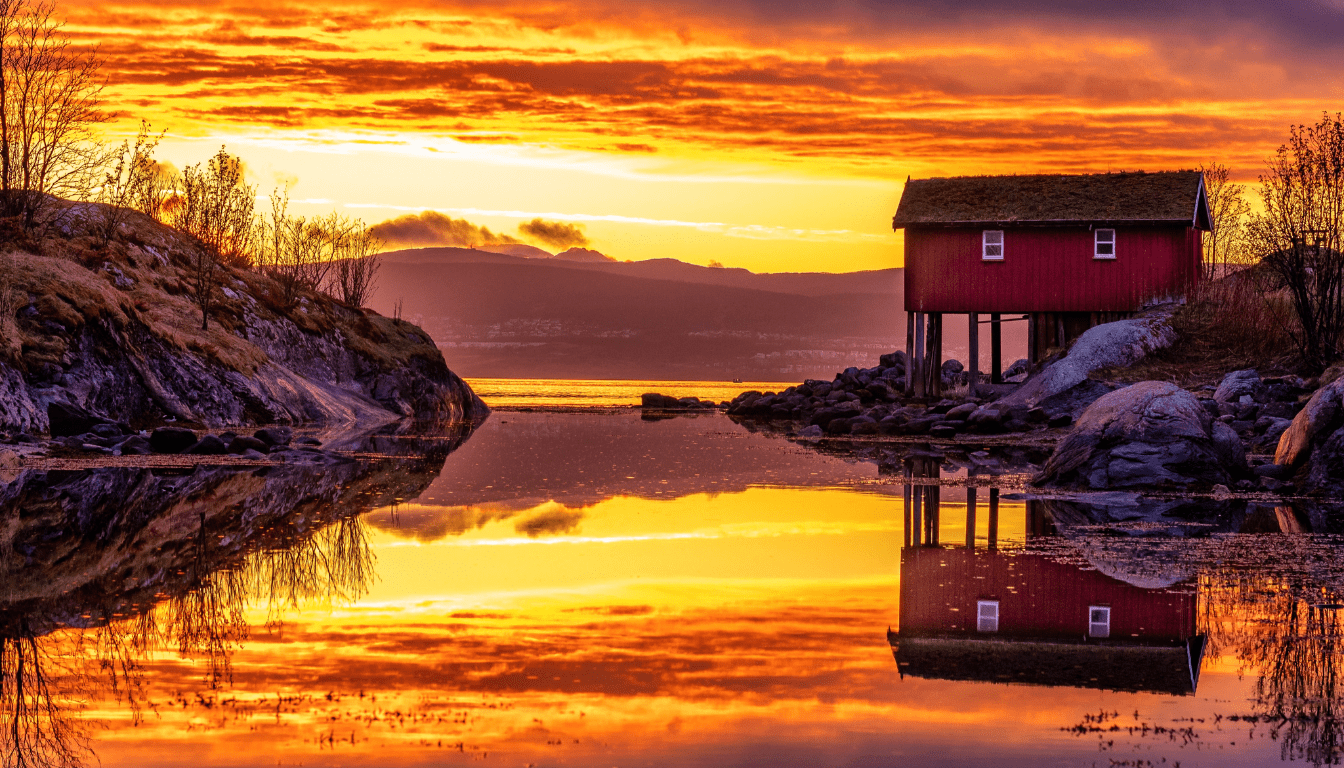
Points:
(556, 234)
(431, 228)
(864, 89)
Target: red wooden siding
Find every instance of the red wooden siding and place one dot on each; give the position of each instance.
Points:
(1038, 598)
(1047, 269)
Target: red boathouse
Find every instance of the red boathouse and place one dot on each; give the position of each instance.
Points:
(1066, 252)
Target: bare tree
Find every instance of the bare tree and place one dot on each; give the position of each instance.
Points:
(125, 182)
(331, 253)
(51, 102)
(216, 208)
(357, 265)
(1299, 234)
(157, 188)
(1228, 208)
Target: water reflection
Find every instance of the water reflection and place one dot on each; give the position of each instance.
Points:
(100, 569)
(1122, 593)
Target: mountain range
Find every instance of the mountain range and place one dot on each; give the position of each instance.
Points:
(582, 315)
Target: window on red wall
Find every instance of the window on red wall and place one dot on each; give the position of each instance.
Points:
(991, 245)
(1104, 244)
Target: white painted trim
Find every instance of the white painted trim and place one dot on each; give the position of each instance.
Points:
(985, 244)
(1097, 243)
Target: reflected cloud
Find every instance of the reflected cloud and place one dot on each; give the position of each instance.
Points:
(550, 522)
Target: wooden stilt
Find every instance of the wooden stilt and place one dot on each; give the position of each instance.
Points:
(970, 518)
(909, 353)
(995, 349)
(920, 387)
(908, 530)
(933, 357)
(1032, 357)
(932, 507)
(917, 520)
(993, 518)
(973, 356)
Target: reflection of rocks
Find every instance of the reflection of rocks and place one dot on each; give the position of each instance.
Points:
(1151, 434)
(117, 536)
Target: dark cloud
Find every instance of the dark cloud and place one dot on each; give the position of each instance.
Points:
(432, 228)
(556, 234)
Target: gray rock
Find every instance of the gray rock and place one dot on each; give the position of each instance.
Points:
(1149, 435)
(944, 430)
(963, 411)
(171, 440)
(839, 426)
(1236, 385)
(135, 445)
(812, 431)
(67, 419)
(274, 435)
(210, 445)
(1121, 343)
(243, 444)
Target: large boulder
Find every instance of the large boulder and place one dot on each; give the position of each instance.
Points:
(1109, 345)
(1313, 445)
(1149, 435)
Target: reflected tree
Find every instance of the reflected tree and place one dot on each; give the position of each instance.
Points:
(39, 704)
(1291, 636)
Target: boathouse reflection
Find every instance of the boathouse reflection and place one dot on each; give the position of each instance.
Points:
(972, 613)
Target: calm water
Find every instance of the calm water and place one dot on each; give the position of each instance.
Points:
(559, 393)
(595, 589)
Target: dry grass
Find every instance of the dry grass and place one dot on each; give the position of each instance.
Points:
(1227, 324)
(136, 283)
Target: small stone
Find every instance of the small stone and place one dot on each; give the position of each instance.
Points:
(811, 432)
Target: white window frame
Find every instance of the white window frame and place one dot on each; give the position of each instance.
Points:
(1095, 627)
(985, 245)
(987, 620)
(1097, 244)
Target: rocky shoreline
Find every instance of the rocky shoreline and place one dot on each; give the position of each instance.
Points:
(1282, 435)
(107, 346)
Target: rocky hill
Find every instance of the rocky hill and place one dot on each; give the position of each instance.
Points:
(112, 328)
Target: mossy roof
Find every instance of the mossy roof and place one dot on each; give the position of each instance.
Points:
(1163, 197)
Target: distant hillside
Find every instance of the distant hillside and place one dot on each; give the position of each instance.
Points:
(505, 316)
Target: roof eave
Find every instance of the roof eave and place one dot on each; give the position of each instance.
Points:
(1182, 222)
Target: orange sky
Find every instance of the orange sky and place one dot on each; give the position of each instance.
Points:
(770, 135)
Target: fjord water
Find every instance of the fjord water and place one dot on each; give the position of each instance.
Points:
(599, 589)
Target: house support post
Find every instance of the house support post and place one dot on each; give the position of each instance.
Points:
(933, 356)
(1031, 340)
(995, 349)
(908, 530)
(932, 507)
(920, 384)
(970, 517)
(973, 361)
(909, 353)
(993, 518)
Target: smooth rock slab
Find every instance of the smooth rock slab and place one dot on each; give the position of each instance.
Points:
(1150, 435)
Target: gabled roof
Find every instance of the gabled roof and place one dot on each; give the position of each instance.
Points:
(1175, 197)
